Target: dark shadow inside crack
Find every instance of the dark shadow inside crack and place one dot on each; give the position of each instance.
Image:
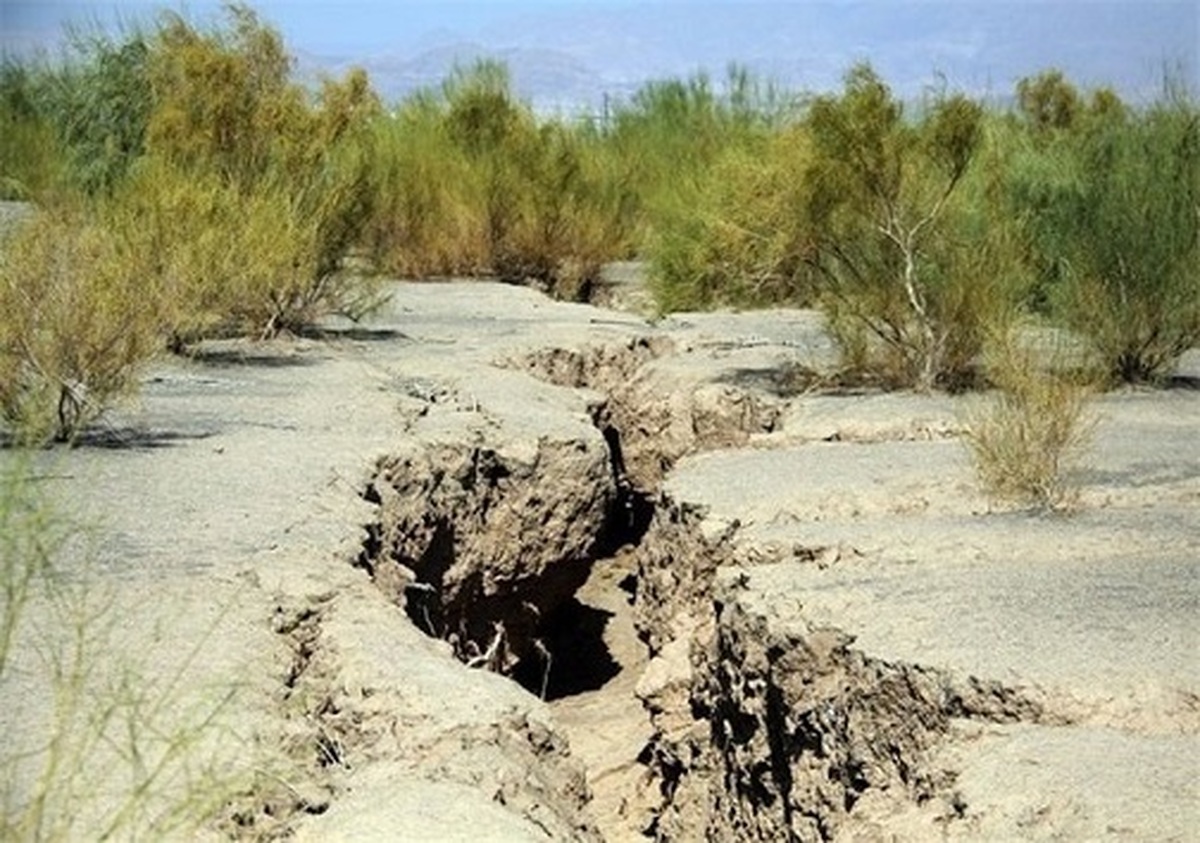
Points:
(573, 657)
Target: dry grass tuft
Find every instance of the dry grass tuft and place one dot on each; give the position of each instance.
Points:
(1027, 437)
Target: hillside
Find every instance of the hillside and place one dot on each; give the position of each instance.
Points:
(574, 55)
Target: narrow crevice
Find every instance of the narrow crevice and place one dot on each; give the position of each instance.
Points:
(754, 738)
(571, 656)
(535, 628)
(422, 601)
(535, 631)
(628, 520)
(633, 508)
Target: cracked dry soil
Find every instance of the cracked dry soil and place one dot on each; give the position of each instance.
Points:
(623, 581)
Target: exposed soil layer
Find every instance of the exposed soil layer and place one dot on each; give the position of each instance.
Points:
(482, 547)
(735, 607)
(485, 542)
(488, 545)
(764, 720)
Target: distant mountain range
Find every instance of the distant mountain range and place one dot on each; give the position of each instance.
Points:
(552, 80)
(570, 57)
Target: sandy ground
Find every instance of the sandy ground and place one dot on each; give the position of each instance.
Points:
(226, 502)
(222, 515)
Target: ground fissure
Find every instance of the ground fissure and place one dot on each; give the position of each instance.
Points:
(756, 612)
(680, 551)
(593, 588)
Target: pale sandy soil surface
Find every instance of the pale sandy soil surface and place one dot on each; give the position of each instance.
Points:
(834, 634)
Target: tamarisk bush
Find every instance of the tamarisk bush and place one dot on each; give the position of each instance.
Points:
(1112, 202)
(468, 181)
(281, 185)
(76, 325)
(888, 228)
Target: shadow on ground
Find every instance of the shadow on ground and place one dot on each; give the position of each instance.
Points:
(356, 333)
(245, 357)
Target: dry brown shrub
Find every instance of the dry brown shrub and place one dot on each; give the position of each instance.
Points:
(1029, 435)
(75, 325)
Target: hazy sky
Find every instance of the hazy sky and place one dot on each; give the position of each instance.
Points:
(360, 27)
(319, 26)
(981, 43)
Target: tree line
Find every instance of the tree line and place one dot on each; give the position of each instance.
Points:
(188, 187)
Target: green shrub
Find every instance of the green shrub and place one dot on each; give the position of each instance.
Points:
(77, 324)
(905, 259)
(738, 237)
(1048, 101)
(223, 100)
(668, 135)
(467, 182)
(497, 135)
(98, 101)
(234, 193)
(31, 159)
(250, 195)
(215, 196)
(427, 218)
(547, 218)
(667, 139)
(1114, 212)
(568, 221)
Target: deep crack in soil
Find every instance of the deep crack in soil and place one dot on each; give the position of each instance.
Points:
(695, 715)
(566, 597)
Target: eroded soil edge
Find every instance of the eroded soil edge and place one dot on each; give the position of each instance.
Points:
(758, 730)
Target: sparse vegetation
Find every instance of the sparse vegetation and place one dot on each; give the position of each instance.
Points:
(101, 750)
(217, 196)
(27, 543)
(1029, 435)
(185, 186)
